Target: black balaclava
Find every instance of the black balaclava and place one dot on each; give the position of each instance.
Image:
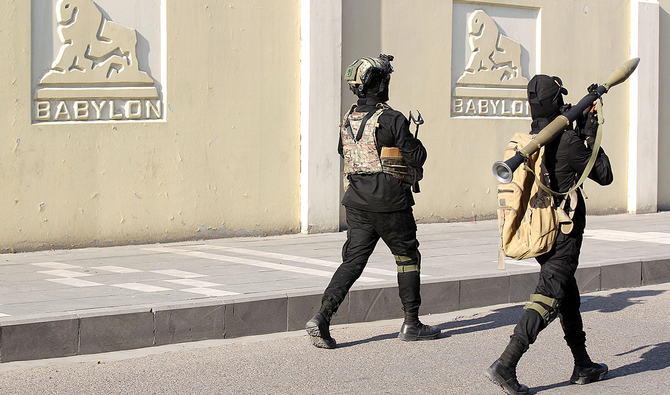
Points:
(545, 96)
(378, 87)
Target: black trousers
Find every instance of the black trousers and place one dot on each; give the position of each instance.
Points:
(398, 231)
(557, 281)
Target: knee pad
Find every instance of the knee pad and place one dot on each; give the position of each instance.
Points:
(545, 306)
(408, 263)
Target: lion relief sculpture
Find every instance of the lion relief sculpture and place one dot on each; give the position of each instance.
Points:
(495, 58)
(95, 50)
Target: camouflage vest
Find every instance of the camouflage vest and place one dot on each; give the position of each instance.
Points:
(360, 148)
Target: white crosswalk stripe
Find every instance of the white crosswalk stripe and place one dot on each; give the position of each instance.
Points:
(620, 235)
(116, 269)
(55, 265)
(74, 282)
(193, 283)
(209, 292)
(64, 273)
(251, 262)
(295, 258)
(178, 273)
(525, 262)
(141, 287)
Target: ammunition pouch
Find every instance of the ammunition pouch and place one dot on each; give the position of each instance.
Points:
(545, 306)
(394, 165)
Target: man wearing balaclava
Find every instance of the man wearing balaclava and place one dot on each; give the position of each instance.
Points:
(556, 294)
(378, 198)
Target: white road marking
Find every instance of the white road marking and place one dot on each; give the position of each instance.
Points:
(55, 265)
(252, 262)
(4, 315)
(178, 273)
(295, 258)
(115, 269)
(209, 292)
(620, 235)
(141, 287)
(193, 283)
(526, 262)
(74, 282)
(65, 273)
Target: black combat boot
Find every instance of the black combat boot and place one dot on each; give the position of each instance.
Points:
(318, 328)
(412, 329)
(584, 374)
(503, 371)
(419, 331)
(506, 379)
(585, 371)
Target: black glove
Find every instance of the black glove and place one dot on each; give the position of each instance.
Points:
(590, 129)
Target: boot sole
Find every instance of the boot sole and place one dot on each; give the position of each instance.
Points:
(411, 338)
(497, 380)
(318, 341)
(590, 378)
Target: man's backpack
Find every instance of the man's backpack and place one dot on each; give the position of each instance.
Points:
(527, 218)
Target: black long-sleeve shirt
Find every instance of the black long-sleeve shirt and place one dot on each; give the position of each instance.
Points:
(566, 158)
(382, 192)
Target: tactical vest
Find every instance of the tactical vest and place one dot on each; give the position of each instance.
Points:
(359, 147)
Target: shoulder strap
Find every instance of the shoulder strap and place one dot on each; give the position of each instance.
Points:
(346, 116)
(589, 165)
(365, 120)
(345, 121)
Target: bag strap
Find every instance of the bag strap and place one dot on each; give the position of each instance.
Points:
(379, 108)
(589, 165)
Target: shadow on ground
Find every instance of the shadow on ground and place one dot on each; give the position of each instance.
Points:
(508, 316)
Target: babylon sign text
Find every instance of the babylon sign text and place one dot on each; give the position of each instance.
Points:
(489, 107)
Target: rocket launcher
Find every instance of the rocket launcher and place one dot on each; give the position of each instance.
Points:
(504, 171)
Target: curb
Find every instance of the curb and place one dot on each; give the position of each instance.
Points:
(124, 328)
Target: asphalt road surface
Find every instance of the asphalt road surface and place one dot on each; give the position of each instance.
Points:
(627, 329)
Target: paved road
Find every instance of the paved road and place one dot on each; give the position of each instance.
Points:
(627, 329)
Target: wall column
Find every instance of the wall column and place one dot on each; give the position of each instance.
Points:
(320, 76)
(644, 96)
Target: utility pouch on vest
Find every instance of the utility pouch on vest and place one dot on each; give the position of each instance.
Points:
(394, 164)
(359, 146)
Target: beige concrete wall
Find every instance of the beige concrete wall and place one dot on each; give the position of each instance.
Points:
(225, 159)
(664, 103)
(224, 162)
(580, 47)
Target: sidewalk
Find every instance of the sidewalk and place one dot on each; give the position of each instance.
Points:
(69, 302)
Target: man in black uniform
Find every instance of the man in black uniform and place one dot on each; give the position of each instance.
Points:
(556, 293)
(378, 199)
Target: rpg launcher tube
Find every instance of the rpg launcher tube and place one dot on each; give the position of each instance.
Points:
(503, 171)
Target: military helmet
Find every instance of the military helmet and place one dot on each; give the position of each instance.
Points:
(361, 71)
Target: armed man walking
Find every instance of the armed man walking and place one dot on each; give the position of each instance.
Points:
(378, 198)
(557, 294)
